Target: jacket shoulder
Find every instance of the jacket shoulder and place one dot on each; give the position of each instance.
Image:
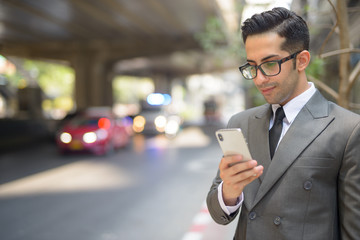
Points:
(336, 109)
(247, 114)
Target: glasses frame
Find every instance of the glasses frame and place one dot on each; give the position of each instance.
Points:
(281, 61)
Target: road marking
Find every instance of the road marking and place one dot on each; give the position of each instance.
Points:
(199, 224)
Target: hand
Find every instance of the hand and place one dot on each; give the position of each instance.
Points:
(236, 175)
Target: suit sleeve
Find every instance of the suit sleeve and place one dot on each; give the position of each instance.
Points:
(349, 188)
(213, 204)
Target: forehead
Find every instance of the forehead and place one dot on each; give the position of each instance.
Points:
(262, 45)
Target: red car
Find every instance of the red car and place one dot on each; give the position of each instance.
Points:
(95, 132)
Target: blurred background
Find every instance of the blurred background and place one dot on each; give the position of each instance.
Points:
(108, 109)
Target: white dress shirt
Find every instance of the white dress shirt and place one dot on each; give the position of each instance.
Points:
(291, 109)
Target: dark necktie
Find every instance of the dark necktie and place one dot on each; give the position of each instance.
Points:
(275, 131)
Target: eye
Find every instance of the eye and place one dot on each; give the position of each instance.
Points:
(270, 65)
(252, 70)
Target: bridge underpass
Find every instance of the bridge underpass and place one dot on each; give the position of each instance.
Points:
(94, 36)
(102, 39)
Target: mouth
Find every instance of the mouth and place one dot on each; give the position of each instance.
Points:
(268, 90)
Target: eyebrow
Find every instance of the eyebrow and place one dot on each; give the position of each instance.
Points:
(264, 59)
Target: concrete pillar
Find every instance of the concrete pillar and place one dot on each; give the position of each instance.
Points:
(162, 83)
(93, 83)
(79, 63)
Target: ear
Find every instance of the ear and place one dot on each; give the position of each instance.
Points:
(303, 60)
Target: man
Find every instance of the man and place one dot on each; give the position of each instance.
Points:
(310, 188)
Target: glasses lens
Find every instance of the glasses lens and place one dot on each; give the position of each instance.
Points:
(270, 68)
(249, 72)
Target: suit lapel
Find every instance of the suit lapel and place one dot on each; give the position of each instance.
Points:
(258, 142)
(309, 123)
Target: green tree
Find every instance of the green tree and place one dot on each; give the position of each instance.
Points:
(54, 79)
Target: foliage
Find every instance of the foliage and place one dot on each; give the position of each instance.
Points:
(54, 79)
(16, 80)
(219, 44)
(316, 68)
(227, 47)
(129, 89)
(213, 37)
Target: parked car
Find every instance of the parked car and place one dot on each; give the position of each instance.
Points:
(93, 130)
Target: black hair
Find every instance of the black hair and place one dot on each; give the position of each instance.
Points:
(282, 21)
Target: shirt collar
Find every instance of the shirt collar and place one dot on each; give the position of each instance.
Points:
(293, 107)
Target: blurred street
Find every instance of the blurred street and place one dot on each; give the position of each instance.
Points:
(153, 189)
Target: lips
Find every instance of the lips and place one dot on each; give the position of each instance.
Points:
(267, 90)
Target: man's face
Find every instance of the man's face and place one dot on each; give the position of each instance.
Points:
(282, 87)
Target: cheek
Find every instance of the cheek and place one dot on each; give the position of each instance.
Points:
(287, 77)
(289, 84)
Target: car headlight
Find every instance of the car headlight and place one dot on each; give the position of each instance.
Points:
(139, 124)
(160, 123)
(89, 137)
(172, 127)
(65, 137)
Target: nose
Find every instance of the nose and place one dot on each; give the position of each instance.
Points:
(260, 77)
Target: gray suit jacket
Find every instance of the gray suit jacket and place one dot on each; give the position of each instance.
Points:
(311, 188)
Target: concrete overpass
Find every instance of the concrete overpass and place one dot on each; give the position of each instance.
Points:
(94, 35)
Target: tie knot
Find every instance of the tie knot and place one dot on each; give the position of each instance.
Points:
(280, 114)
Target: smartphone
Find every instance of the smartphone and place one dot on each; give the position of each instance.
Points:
(232, 142)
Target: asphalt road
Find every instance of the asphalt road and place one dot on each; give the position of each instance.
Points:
(152, 189)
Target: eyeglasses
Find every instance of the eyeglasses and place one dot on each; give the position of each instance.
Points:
(270, 68)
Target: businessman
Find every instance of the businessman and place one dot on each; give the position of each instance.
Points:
(304, 181)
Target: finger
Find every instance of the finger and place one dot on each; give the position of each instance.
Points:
(248, 175)
(257, 171)
(230, 174)
(236, 184)
(230, 160)
(250, 179)
(243, 166)
(235, 159)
